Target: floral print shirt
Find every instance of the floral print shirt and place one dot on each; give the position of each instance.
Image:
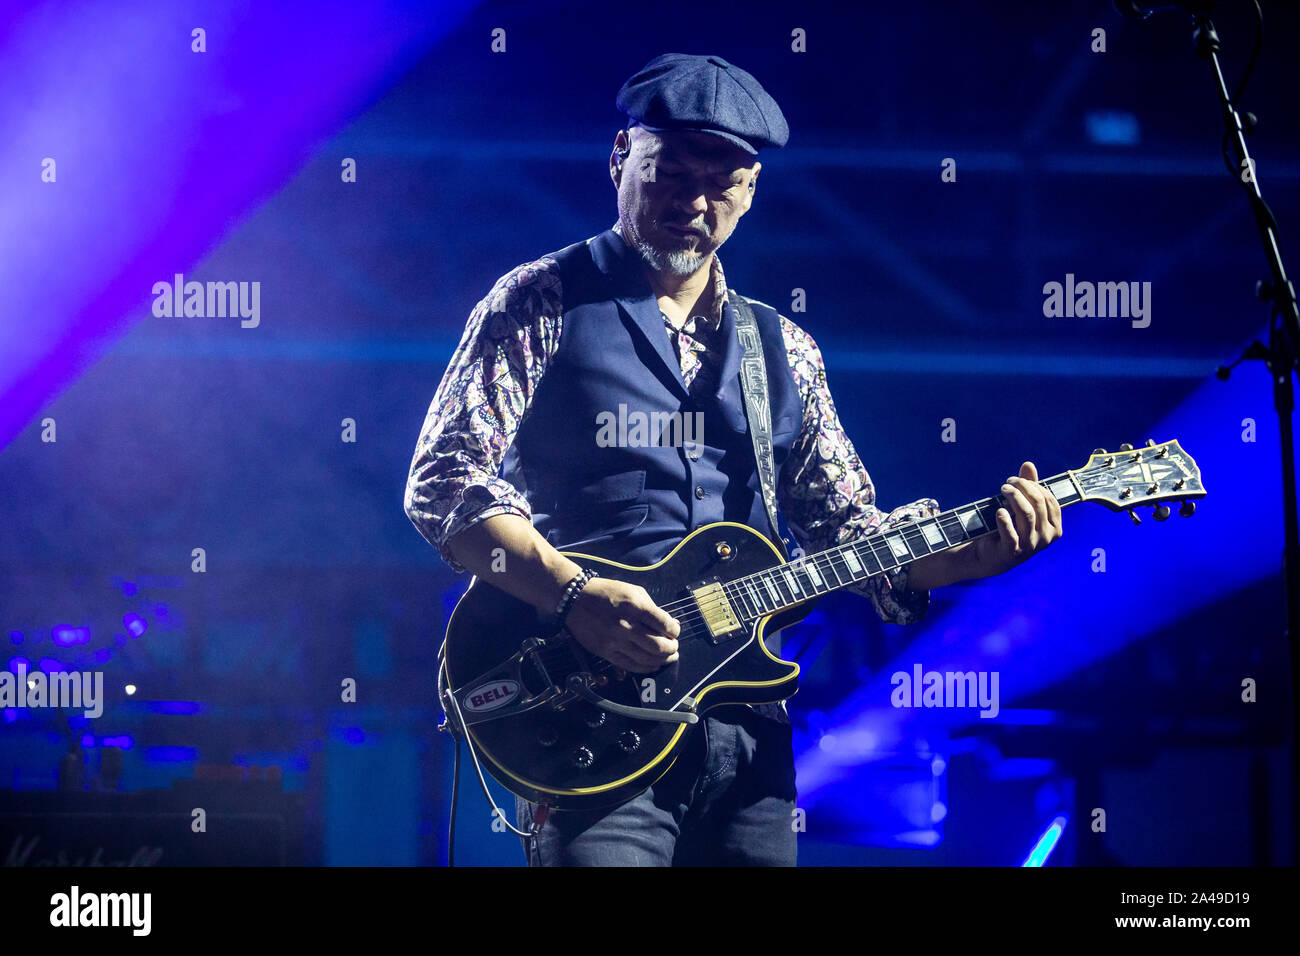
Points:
(824, 491)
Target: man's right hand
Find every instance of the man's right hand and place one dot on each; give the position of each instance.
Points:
(621, 623)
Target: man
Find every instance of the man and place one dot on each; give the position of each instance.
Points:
(512, 463)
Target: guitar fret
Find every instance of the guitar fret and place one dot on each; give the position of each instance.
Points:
(1062, 488)
(805, 582)
(737, 592)
(868, 558)
(988, 512)
(794, 584)
(938, 525)
(841, 572)
(953, 529)
(778, 580)
(875, 553)
(766, 592)
(972, 521)
(914, 538)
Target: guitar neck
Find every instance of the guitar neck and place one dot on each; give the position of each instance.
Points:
(810, 576)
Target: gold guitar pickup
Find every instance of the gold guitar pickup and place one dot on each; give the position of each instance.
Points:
(716, 610)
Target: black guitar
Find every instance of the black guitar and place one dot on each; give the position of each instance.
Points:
(561, 727)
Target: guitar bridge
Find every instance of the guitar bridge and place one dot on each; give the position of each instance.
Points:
(719, 616)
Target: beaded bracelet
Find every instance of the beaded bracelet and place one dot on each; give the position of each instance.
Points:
(576, 584)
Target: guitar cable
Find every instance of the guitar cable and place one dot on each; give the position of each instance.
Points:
(451, 728)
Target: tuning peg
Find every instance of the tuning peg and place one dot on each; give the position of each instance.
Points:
(1134, 515)
(1099, 451)
(1150, 442)
(1161, 512)
(1188, 509)
(1126, 447)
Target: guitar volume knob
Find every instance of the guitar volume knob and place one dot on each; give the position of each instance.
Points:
(583, 758)
(629, 741)
(548, 736)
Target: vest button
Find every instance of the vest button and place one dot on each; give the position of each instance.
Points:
(699, 491)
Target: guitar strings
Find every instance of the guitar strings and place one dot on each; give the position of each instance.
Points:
(692, 618)
(734, 588)
(691, 613)
(822, 560)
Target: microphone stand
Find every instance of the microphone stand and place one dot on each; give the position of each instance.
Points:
(1280, 357)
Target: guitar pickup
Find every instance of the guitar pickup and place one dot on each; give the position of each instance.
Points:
(715, 608)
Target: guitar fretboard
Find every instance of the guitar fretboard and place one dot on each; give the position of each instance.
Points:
(810, 576)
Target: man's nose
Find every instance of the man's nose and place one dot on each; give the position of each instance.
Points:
(693, 202)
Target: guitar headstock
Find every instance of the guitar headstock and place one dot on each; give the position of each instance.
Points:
(1151, 475)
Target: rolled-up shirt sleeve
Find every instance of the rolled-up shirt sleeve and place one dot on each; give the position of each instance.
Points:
(484, 395)
(826, 494)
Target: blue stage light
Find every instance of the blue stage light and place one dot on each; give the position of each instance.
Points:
(1061, 612)
(171, 754)
(1112, 128)
(174, 706)
(64, 636)
(1046, 843)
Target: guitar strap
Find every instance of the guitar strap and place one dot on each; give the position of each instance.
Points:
(753, 384)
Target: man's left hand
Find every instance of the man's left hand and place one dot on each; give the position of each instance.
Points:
(1028, 522)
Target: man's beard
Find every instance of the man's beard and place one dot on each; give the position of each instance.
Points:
(677, 262)
(680, 261)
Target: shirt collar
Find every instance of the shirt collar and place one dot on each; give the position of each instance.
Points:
(714, 318)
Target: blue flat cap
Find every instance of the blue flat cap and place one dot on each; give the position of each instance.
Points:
(706, 94)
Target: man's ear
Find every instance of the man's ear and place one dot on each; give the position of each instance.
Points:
(618, 157)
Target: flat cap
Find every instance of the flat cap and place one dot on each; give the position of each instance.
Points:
(706, 94)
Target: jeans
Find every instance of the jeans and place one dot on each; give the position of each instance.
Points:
(728, 800)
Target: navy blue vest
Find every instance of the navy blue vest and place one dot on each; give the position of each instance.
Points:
(632, 499)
